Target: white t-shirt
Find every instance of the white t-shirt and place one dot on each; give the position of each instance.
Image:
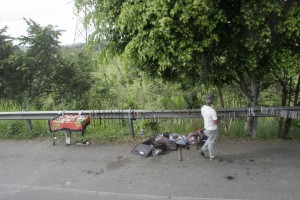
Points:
(209, 115)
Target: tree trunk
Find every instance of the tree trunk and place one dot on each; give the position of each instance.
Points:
(251, 95)
(280, 127)
(285, 123)
(285, 128)
(249, 125)
(221, 96)
(284, 97)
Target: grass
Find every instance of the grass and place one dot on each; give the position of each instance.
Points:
(267, 128)
(19, 130)
(114, 131)
(294, 132)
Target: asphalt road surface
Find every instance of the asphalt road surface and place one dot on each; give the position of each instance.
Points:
(258, 170)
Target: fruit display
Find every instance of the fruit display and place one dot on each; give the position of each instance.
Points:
(71, 122)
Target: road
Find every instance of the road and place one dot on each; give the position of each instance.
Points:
(258, 170)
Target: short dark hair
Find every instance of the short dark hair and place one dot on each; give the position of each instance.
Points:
(209, 98)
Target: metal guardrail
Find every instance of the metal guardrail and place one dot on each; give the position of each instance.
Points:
(293, 112)
(288, 112)
(150, 114)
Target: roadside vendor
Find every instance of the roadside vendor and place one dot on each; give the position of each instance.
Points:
(211, 121)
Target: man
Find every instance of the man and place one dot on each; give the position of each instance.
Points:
(211, 121)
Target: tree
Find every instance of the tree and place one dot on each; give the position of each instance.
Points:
(286, 75)
(162, 37)
(7, 75)
(285, 59)
(216, 42)
(6, 45)
(251, 41)
(244, 41)
(41, 60)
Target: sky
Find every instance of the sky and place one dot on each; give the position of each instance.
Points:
(58, 13)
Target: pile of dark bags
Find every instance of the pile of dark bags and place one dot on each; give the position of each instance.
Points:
(162, 143)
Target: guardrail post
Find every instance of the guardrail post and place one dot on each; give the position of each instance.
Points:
(29, 124)
(130, 124)
(254, 127)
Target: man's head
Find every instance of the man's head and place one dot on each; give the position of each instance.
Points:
(209, 98)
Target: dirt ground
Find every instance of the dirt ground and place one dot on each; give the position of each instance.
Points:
(250, 169)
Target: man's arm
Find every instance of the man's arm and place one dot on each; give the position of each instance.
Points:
(216, 118)
(217, 121)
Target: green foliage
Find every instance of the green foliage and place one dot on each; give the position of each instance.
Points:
(267, 128)
(182, 101)
(290, 25)
(73, 80)
(146, 125)
(161, 37)
(14, 128)
(6, 46)
(285, 74)
(179, 125)
(235, 128)
(175, 103)
(9, 106)
(295, 130)
(117, 86)
(18, 130)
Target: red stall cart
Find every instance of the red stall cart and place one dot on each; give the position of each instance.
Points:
(69, 124)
